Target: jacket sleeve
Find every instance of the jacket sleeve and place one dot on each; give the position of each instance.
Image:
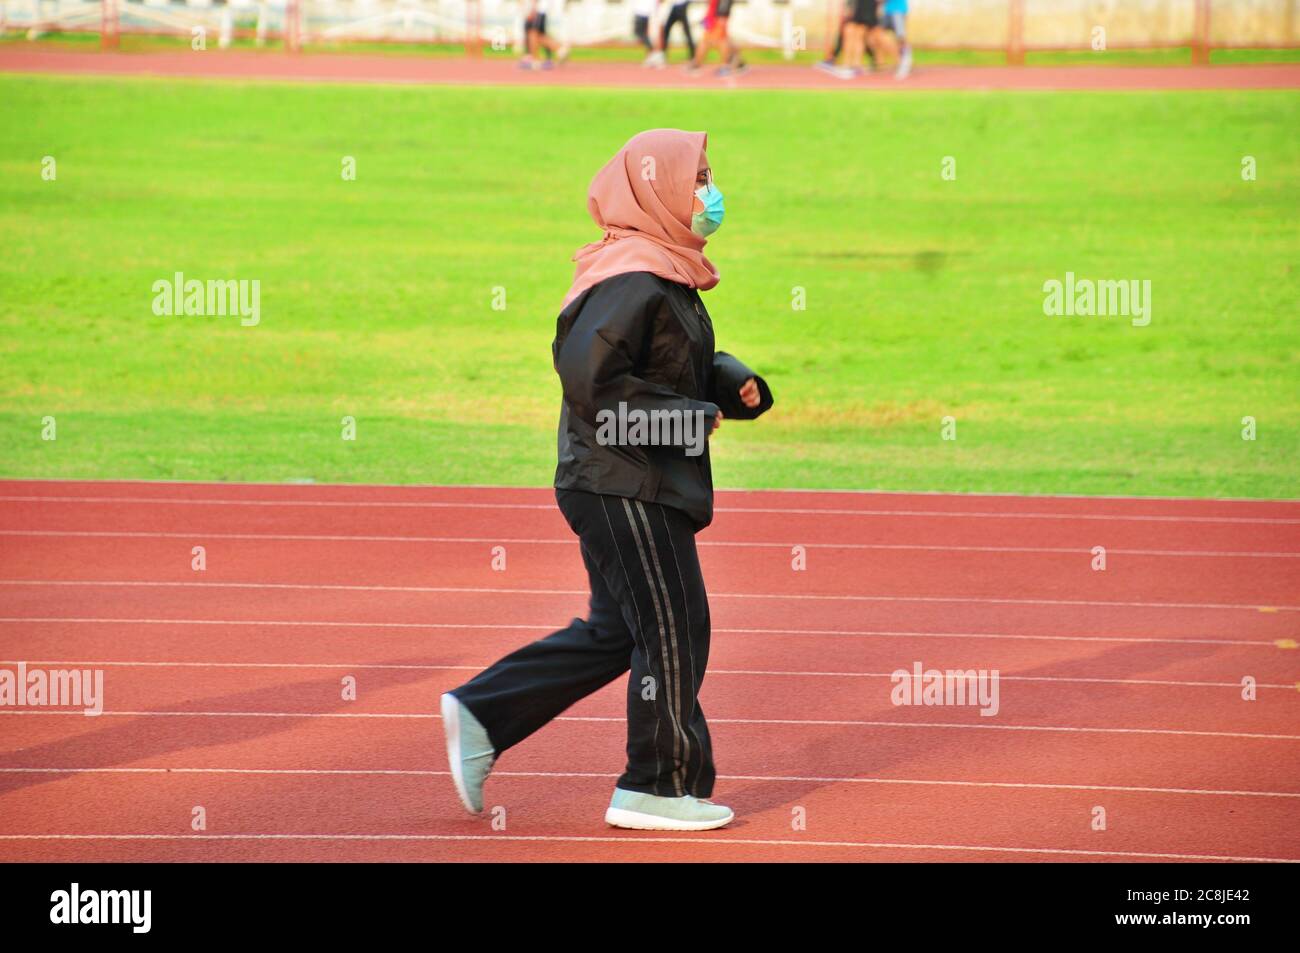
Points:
(598, 359)
(729, 375)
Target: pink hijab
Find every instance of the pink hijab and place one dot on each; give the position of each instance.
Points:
(642, 198)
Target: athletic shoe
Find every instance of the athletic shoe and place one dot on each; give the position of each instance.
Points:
(848, 72)
(904, 64)
(469, 752)
(650, 812)
(654, 60)
(545, 64)
(826, 66)
(692, 69)
(563, 52)
(527, 62)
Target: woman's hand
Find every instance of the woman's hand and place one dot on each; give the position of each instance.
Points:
(749, 396)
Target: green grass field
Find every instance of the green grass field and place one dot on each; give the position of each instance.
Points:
(924, 295)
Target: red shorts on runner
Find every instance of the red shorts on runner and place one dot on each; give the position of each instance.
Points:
(710, 15)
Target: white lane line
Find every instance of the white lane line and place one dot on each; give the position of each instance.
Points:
(502, 540)
(550, 627)
(526, 488)
(636, 839)
(364, 505)
(848, 723)
(52, 712)
(495, 590)
(713, 671)
(443, 504)
(1013, 678)
(534, 488)
(777, 779)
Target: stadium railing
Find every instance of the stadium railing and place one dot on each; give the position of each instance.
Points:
(1012, 27)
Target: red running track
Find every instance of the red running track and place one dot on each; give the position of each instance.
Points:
(460, 70)
(1119, 689)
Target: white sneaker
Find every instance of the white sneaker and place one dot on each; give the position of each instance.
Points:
(904, 64)
(469, 751)
(651, 812)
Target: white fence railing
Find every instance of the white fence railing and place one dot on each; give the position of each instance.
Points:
(1013, 25)
(261, 18)
(768, 23)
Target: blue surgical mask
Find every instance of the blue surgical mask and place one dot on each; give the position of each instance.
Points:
(705, 223)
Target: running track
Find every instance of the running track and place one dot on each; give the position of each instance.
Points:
(1119, 689)
(460, 70)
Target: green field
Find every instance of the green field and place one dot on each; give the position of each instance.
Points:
(924, 295)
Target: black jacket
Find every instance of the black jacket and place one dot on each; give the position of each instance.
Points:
(645, 342)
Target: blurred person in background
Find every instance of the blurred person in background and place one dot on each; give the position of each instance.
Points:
(676, 14)
(861, 32)
(716, 36)
(833, 51)
(895, 21)
(536, 38)
(643, 12)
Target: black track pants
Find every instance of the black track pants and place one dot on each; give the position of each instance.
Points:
(678, 15)
(648, 613)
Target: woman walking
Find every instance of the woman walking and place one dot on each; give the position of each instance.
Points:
(633, 344)
(676, 14)
(716, 36)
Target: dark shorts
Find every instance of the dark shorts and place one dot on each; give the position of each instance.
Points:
(724, 9)
(864, 12)
(536, 22)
